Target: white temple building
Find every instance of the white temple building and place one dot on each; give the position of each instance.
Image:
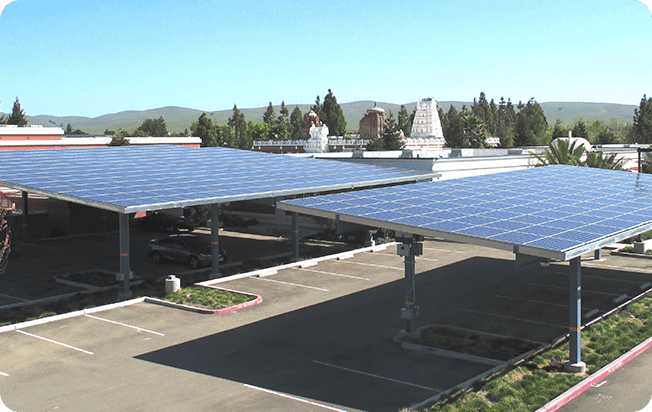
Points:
(426, 127)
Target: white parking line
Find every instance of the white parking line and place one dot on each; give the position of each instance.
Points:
(370, 264)
(513, 318)
(14, 297)
(289, 283)
(536, 301)
(4, 374)
(566, 288)
(53, 341)
(331, 273)
(431, 260)
(294, 398)
(375, 376)
(444, 250)
(124, 324)
(624, 269)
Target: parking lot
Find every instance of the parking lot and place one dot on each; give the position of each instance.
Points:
(322, 339)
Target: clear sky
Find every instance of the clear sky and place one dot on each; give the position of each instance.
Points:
(89, 58)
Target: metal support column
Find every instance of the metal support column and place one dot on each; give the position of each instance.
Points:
(295, 236)
(575, 317)
(409, 249)
(215, 242)
(125, 270)
(597, 255)
(25, 218)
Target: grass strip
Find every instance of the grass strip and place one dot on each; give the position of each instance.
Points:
(208, 298)
(541, 378)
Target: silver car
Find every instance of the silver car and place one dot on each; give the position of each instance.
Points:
(184, 248)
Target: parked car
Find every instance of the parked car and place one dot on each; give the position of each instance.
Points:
(185, 248)
(171, 220)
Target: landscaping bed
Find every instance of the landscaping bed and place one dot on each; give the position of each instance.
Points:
(472, 343)
(539, 379)
(98, 278)
(208, 298)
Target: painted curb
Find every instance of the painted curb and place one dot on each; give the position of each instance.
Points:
(68, 315)
(576, 390)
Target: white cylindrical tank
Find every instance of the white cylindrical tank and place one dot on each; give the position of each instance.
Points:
(172, 284)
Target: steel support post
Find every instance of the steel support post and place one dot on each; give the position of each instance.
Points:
(575, 316)
(215, 242)
(125, 270)
(295, 236)
(597, 255)
(410, 289)
(25, 217)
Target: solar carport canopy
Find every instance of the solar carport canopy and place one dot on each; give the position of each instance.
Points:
(135, 179)
(554, 212)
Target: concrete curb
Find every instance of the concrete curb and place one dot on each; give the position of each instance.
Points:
(452, 354)
(576, 390)
(68, 315)
(303, 263)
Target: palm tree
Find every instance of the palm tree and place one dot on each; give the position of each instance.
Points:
(601, 161)
(561, 153)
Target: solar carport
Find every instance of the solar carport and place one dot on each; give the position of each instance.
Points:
(554, 213)
(127, 180)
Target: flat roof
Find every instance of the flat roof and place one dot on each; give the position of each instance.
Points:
(554, 212)
(131, 179)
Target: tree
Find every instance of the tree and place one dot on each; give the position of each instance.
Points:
(224, 136)
(5, 241)
(531, 125)
(204, 129)
(296, 120)
(579, 130)
(269, 116)
(333, 116)
(109, 132)
(404, 121)
(239, 124)
(154, 127)
(17, 115)
(601, 161)
(285, 113)
(559, 130)
(119, 141)
(318, 108)
(562, 153)
(642, 127)
(68, 129)
(474, 131)
(453, 132)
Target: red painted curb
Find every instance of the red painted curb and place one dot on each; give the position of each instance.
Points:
(256, 301)
(576, 390)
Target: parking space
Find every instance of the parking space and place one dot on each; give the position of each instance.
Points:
(322, 339)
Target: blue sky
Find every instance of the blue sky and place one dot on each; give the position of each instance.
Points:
(93, 58)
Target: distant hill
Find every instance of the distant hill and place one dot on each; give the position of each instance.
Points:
(179, 118)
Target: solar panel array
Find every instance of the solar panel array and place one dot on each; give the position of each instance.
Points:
(131, 179)
(561, 209)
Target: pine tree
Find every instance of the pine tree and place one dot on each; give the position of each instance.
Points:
(269, 116)
(296, 120)
(239, 124)
(69, 129)
(404, 120)
(285, 113)
(204, 129)
(531, 125)
(558, 130)
(333, 116)
(17, 115)
(642, 127)
(579, 130)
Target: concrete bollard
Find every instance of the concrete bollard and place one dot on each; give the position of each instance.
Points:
(172, 284)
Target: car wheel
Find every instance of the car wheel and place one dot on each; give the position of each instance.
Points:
(171, 228)
(194, 262)
(157, 258)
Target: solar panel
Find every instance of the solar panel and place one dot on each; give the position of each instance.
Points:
(132, 179)
(557, 212)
